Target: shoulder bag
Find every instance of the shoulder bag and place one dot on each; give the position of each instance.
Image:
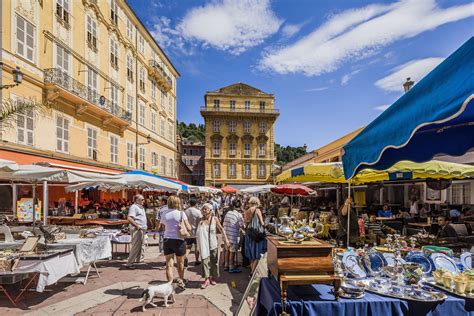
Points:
(183, 231)
(255, 229)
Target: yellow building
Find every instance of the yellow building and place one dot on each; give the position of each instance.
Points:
(113, 88)
(239, 122)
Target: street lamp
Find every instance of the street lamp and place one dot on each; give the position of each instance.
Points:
(17, 78)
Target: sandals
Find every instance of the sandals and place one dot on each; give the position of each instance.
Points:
(212, 281)
(235, 270)
(205, 284)
(181, 283)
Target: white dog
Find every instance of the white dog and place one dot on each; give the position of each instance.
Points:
(163, 290)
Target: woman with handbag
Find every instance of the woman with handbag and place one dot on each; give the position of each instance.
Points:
(206, 235)
(176, 231)
(255, 239)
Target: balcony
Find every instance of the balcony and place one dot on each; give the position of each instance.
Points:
(163, 79)
(86, 100)
(224, 111)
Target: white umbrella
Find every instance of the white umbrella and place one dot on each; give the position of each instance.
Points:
(8, 165)
(202, 189)
(142, 180)
(106, 185)
(258, 189)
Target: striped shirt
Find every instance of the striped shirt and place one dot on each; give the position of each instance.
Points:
(232, 222)
(376, 228)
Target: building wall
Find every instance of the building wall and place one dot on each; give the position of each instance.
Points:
(48, 78)
(192, 156)
(224, 136)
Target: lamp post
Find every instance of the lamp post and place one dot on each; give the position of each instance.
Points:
(17, 78)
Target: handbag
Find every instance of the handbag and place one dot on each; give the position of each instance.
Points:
(255, 230)
(183, 231)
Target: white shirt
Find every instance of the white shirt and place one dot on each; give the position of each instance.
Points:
(137, 212)
(171, 219)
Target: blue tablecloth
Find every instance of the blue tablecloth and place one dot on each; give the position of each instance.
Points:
(318, 300)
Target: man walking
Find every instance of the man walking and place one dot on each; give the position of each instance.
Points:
(137, 219)
(194, 217)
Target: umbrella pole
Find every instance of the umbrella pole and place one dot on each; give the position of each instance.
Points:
(45, 202)
(76, 201)
(34, 204)
(348, 213)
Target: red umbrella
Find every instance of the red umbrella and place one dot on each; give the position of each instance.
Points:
(292, 189)
(229, 189)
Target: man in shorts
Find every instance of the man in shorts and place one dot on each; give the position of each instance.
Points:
(194, 217)
(233, 223)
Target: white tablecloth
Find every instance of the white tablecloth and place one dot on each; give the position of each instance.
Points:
(50, 270)
(86, 250)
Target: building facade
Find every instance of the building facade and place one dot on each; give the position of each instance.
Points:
(112, 87)
(192, 155)
(239, 121)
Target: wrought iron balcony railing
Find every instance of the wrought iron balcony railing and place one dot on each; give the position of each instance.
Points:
(211, 109)
(160, 69)
(61, 78)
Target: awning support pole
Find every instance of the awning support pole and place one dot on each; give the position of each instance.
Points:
(45, 202)
(348, 212)
(76, 201)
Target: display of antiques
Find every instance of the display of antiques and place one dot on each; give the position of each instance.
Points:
(400, 270)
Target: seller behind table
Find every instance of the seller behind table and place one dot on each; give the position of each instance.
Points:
(446, 230)
(385, 211)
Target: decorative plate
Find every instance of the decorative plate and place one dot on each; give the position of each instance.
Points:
(375, 263)
(466, 260)
(350, 261)
(390, 259)
(442, 261)
(423, 260)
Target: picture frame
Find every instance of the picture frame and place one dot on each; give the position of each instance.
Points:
(433, 195)
(30, 244)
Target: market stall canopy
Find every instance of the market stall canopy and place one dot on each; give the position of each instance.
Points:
(107, 185)
(292, 189)
(229, 189)
(435, 116)
(35, 173)
(8, 165)
(403, 170)
(143, 180)
(202, 189)
(258, 189)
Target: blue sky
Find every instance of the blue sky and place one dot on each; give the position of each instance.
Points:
(333, 65)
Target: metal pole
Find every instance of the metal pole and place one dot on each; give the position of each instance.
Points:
(338, 198)
(14, 198)
(348, 212)
(76, 202)
(45, 202)
(34, 204)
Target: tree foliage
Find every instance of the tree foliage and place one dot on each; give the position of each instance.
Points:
(10, 110)
(191, 132)
(286, 154)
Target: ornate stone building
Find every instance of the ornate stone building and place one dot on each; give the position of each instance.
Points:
(239, 123)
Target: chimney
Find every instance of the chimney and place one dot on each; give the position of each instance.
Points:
(408, 84)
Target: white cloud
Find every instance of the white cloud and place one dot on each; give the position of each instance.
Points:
(288, 30)
(347, 77)
(358, 33)
(415, 69)
(316, 89)
(229, 25)
(382, 107)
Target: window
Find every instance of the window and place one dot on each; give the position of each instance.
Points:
(154, 160)
(25, 39)
(113, 149)
(247, 149)
(114, 54)
(62, 59)
(62, 134)
(247, 105)
(232, 170)
(170, 105)
(262, 127)
(142, 79)
(261, 170)
(141, 44)
(162, 126)
(92, 86)
(153, 120)
(130, 68)
(130, 103)
(114, 11)
(91, 33)
(217, 170)
(92, 143)
(153, 89)
(25, 126)
(247, 126)
(141, 157)
(232, 126)
(129, 29)
(247, 172)
(163, 165)
(141, 114)
(261, 149)
(170, 132)
(216, 126)
(232, 149)
(262, 106)
(461, 193)
(217, 104)
(171, 165)
(114, 98)
(130, 154)
(162, 102)
(216, 148)
(62, 10)
(232, 105)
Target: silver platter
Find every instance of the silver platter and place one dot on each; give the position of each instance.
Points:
(450, 291)
(438, 297)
